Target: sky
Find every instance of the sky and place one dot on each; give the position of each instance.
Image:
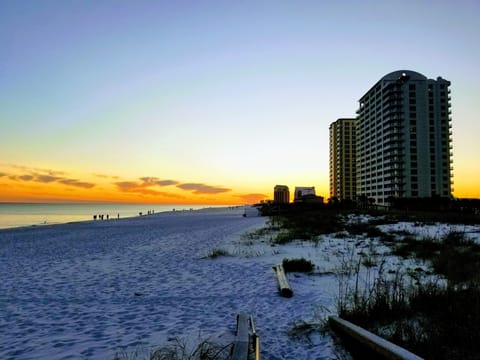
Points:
(211, 102)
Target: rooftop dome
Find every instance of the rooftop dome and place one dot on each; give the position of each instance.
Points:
(413, 75)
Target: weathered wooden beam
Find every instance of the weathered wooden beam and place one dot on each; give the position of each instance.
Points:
(240, 346)
(283, 285)
(383, 348)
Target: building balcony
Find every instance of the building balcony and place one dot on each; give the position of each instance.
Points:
(392, 104)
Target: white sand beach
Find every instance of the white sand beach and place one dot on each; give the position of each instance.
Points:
(91, 290)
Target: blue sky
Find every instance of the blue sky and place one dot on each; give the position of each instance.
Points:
(237, 95)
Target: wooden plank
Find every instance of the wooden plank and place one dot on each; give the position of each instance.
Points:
(284, 286)
(378, 345)
(240, 346)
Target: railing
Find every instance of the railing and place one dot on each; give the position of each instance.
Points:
(379, 346)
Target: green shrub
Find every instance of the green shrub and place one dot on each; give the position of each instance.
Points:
(306, 225)
(298, 265)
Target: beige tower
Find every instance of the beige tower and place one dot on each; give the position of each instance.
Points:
(342, 159)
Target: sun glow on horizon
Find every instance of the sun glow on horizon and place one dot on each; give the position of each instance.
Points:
(23, 184)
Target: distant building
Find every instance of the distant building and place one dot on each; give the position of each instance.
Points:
(342, 159)
(281, 194)
(404, 139)
(301, 192)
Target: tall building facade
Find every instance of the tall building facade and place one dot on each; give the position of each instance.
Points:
(342, 159)
(403, 138)
(281, 194)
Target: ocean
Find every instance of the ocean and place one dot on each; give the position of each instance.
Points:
(23, 214)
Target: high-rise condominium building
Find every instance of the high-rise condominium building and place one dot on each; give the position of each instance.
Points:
(342, 159)
(403, 138)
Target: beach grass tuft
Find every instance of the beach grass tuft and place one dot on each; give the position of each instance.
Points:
(217, 252)
(178, 349)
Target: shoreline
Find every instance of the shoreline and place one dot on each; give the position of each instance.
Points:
(29, 215)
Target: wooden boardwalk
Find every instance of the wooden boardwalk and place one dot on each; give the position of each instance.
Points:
(246, 340)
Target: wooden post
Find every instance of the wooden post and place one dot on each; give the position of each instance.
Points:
(285, 289)
(372, 342)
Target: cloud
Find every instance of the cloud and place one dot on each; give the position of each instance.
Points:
(143, 188)
(126, 185)
(197, 188)
(77, 183)
(150, 181)
(146, 186)
(35, 170)
(45, 176)
(103, 176)
(26, 177)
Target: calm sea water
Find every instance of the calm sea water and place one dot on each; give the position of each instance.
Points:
(14, 215)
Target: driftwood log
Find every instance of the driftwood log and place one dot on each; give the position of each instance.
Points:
(283, 285)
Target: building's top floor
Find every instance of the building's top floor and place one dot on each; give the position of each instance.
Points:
(342, 121)
(401, 76)
(280, 188)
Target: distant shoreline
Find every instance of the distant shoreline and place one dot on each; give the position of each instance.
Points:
(21, 215)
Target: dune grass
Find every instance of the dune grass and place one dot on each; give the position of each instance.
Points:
(436, 319)
(433, 313)
(178, 349)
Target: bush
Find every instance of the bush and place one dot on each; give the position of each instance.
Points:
(306, 225)
(298, 265)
